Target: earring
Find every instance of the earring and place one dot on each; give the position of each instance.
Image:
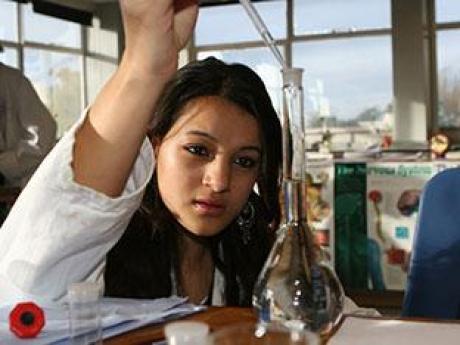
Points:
(246, 220)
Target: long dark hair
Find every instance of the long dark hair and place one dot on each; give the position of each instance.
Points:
(140, 264)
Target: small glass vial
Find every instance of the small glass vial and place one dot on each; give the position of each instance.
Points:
(85, 313)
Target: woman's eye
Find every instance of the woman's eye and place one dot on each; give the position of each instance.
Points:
(245, 162)
(197, 150)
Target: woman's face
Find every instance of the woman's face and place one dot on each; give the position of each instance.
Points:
(207, 164)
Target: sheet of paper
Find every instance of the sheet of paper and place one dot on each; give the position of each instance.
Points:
(118, 316)
(375, 331)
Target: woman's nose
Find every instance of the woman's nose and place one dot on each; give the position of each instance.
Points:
(217, 176)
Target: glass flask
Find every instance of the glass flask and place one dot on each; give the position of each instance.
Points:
(295, 287)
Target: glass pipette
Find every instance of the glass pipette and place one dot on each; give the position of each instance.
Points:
(263, 30)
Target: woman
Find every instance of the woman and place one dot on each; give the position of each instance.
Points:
(201, 231)
(215, 133)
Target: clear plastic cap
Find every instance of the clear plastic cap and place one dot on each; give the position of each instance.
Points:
(186, 333)
(84, 292)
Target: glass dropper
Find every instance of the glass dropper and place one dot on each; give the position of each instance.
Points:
(263, 31)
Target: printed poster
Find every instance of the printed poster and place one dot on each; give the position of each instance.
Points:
(351, 225)
(393, 195)
(320, 204)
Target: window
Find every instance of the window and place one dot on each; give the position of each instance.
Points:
(347, 82)
(354, 69)
(102, 58)
(9, 57)
(448, 71)
(9, 33)
(447, 14)
(335, 16)
(447, 11)
(44, 29)
(98, 72)
(347, 62)
(9, 20)
(66, 73)
(346, 57)
(56, 78)
(230, 23)
(102, 42)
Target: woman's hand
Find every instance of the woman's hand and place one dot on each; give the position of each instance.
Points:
(155, 32)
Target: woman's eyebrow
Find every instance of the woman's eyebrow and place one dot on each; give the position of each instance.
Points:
(202, 134)
(253, 148)
(211, 137)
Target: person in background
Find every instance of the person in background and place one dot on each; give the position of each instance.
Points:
(152, 192)
(27, 129)
(27, 133)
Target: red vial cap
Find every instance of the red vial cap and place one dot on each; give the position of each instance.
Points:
(26, 320)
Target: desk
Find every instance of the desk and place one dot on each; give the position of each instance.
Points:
(215, 317)
(218, 317)
(389, 300)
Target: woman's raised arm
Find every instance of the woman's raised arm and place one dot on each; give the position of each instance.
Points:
(107, 144)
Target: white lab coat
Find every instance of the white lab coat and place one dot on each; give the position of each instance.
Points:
(59, 232)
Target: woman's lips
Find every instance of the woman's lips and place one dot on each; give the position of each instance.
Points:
(208, 208)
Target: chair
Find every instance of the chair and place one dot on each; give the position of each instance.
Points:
(433, 287)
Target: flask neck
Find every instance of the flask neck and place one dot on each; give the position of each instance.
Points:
(294, 201)
(292, 118)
